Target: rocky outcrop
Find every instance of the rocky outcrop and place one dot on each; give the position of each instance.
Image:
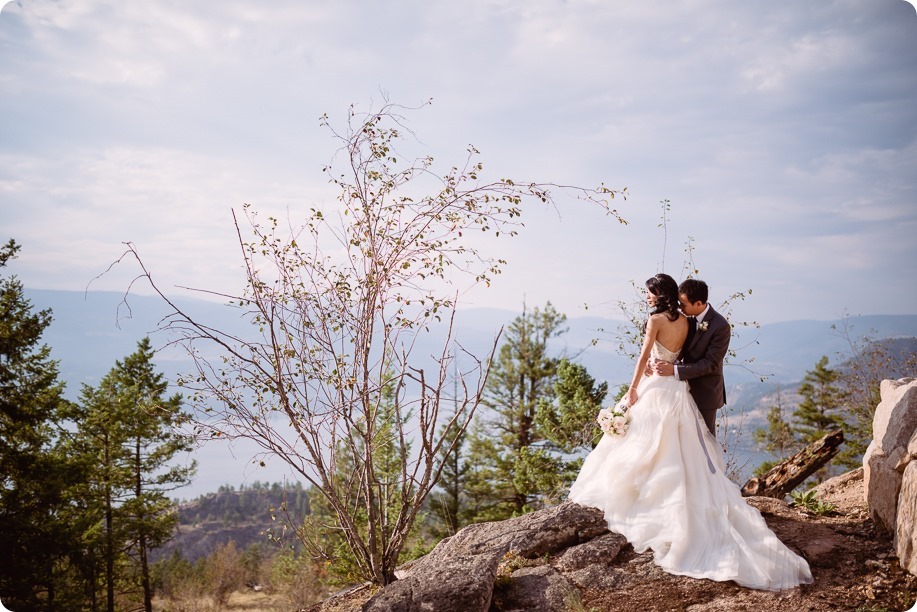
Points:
(890, 472)
(906, 521)
(894, 424)
(563, 558)
(460, 572)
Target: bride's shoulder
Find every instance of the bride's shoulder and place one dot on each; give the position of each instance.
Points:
(661, 322)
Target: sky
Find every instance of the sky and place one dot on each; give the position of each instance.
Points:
(783, 135)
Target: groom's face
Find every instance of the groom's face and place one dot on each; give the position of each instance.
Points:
(692, 309)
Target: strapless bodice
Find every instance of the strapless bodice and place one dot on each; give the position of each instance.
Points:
(661, 352)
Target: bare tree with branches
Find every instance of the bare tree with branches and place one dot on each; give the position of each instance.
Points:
(337, 306)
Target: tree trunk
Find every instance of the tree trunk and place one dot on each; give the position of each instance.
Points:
(144, 564)
(109, 534)
(790, 473)
(109, 554)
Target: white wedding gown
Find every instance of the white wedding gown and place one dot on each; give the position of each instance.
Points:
(663, 486)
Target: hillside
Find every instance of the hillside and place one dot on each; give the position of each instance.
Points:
(243, 516)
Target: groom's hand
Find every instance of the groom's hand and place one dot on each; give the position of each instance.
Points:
(664, 368)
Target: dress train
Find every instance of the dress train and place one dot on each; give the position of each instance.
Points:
(664, 487)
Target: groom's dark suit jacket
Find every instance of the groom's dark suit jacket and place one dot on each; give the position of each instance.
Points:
(702, 365)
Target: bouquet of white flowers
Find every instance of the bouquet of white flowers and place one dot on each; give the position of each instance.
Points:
(614, 421)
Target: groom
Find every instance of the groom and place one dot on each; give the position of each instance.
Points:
(701, 362)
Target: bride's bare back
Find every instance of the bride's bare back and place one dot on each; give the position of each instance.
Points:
(671, 334)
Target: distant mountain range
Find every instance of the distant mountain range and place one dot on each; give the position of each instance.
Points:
(91, 330)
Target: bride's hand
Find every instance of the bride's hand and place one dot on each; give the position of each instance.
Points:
(631, 396)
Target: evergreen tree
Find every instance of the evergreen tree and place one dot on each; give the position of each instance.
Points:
(154, 442)
(509, 472)
(778, 438)
(842, 398)
(35, 479)
(100, 444)
(569, 423)
(820, 410)
(126, 432)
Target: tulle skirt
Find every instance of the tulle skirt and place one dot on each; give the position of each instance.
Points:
(663, 486)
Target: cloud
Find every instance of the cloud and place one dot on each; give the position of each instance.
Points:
(777, 131)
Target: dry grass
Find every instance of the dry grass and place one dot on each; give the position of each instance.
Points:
(248, 600)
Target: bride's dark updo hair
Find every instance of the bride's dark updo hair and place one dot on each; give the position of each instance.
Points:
(665, 289)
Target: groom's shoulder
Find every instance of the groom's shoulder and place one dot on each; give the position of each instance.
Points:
(716, 316)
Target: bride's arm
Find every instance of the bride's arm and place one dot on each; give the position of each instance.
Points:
(651, 330)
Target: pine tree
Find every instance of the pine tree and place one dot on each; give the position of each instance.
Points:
(100, 443)
(35, 479)
(569, 423)
(778, 438)
(509, 473)
(126, 432)
(822, 407)
(823, 399)
(154, 443)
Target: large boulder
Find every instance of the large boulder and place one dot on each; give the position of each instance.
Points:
(567, 569)
(885, 460)
(906, 523)
(459, 573)
(459, 582)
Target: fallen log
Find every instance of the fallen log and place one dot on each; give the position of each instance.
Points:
(790, 473)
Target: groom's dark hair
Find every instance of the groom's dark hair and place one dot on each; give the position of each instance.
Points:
(694, 289)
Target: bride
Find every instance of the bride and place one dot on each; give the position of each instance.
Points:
(663, 484)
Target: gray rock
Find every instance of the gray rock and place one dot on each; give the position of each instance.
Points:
(894, 424)
(540, 588)
(884, 486)
(895, 419)
(602, 550)
(457, 583)
(458, 574)
(531, 535)
(595, 564)
(600, 572)
(599, 576)
(906, 522)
